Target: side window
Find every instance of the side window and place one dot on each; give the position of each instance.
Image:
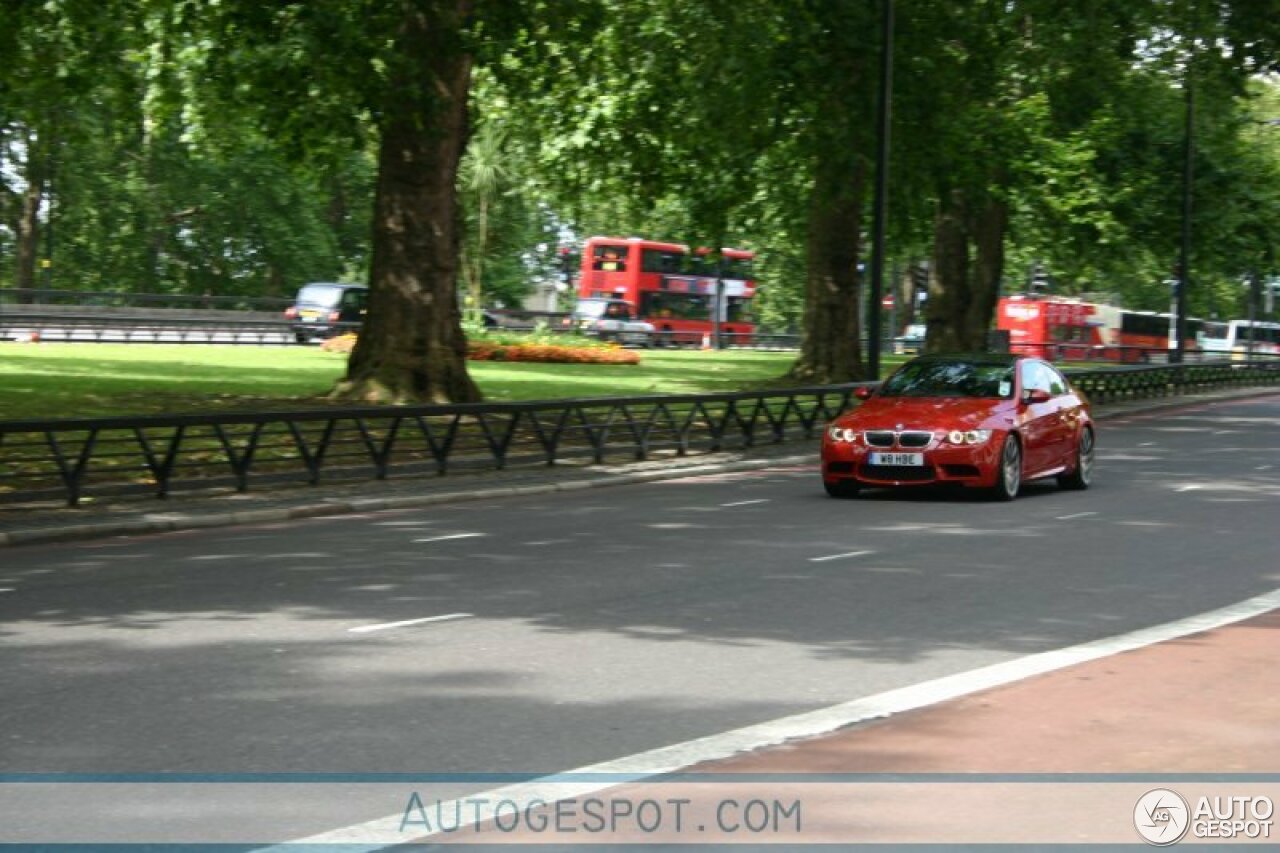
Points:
(1035, 377)
(1057, 382)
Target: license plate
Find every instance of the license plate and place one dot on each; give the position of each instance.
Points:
(909, 459)
(309, 315)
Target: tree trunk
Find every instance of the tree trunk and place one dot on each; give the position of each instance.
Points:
(411, 347)
(28, 242)
(832, 349)
(968, 264)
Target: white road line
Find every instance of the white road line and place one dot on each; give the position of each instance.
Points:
(1075, 515)
(450, 536)
(548, 542)
(385, 832)
(386, 626)
(748, 503)
(839, 556)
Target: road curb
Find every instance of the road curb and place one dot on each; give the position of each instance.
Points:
(177, 521)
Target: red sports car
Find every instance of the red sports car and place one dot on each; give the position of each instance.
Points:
(990, 421)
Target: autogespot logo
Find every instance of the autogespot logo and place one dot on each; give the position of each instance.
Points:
(1162, 817)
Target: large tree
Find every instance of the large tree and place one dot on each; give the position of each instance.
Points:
(328, 72)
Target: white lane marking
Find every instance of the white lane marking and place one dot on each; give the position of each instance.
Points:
(548, 542)
(1075, 515)
(1263, 468)
(385, 832)
(839, 556)
(7, 589)
(386, 626)
(748, 503)
(450, 536)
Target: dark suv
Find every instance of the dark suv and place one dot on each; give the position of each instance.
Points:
(325, 309)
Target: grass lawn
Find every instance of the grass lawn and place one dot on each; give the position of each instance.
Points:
(70, 380)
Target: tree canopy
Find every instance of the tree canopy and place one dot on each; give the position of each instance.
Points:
(245, 148)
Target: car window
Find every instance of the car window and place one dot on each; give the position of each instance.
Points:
(1035, 376)
(948, 378)
(1058, 384)
(320, 294)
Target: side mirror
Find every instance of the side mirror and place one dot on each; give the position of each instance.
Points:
(1036, 395)
(863, 392)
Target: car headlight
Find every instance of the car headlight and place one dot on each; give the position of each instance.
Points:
(839, 433)
(973, 436)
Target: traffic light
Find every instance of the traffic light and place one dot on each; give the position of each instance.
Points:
(920, 282)
(1040, 281)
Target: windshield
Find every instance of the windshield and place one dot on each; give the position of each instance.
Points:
(599, 308)
(933, 378)
(320, 294)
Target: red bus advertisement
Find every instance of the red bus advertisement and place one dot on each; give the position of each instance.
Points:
(1069, 329)
(673, 288)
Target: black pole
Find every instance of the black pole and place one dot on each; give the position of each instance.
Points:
(1184, 260)
(883, 114)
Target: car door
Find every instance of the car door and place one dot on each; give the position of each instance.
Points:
(1040, 428)
(1069, 410)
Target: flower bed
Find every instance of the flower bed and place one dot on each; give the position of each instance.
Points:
(484, 350)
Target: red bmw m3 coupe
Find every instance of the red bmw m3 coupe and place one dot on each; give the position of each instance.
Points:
(989, 421)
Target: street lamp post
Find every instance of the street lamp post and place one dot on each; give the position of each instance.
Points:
(1178, 350)
(883, 113)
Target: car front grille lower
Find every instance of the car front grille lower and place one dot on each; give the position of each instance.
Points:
(898, 473)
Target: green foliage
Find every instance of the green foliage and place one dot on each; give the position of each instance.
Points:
(229, 147)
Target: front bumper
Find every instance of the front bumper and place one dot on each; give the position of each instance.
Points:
(944, 464)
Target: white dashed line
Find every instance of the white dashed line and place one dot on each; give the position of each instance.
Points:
(1076, 515)
(386, 626)
(450, 536)
(839, 556)
(748, 503)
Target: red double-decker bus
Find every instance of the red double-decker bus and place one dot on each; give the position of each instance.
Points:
(674, 288)
(1070, 329)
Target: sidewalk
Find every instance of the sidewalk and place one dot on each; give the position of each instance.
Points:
(114, 517)
(1073, 756)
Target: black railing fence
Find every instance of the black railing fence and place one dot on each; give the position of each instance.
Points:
(1108, 385)
(73, 458)
(160, 454)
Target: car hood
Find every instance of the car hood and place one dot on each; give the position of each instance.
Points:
(929, 413)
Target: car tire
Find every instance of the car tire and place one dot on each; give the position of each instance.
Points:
(1080, 478)
(1009, 472)
(301, 337)
(842, 488)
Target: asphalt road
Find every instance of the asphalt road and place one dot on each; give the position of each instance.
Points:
(575, 628)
